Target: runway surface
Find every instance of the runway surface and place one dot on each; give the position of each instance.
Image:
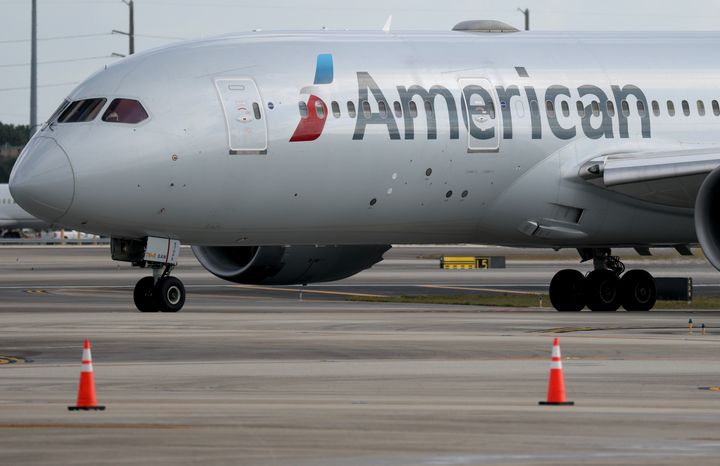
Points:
(73, 276)
(254, 376)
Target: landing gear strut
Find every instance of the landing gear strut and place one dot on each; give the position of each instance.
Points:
(160, 292)
(603, 289)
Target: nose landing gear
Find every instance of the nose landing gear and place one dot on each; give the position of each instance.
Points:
(603, 289)
(161, 292)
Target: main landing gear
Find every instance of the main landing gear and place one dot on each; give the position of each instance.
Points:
(161, 292)
(603, 289)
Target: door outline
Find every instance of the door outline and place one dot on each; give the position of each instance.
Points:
(475, 145)
(224, 88)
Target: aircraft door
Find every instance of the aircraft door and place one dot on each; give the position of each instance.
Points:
(480, 113)
(244, 115)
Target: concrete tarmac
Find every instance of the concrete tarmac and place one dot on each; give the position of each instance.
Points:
(254, 376)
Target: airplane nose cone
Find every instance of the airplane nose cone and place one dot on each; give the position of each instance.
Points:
(42, 181)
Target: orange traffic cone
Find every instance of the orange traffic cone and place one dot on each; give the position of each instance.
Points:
(86, 399)
(556, 387)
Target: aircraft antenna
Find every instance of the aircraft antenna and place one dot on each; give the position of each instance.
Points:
(386, 27)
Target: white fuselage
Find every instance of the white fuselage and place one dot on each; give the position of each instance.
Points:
(208, 168)
(12, 216)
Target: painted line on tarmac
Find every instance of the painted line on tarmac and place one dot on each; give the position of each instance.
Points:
(566, 330)
(471, 288)
(14, 360)
(218, 285)
(304, 290)
(91, 426)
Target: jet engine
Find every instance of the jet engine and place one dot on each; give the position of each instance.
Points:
(707, 223)
(287, 265)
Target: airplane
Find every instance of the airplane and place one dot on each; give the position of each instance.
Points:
(13, 217)
(300, 157)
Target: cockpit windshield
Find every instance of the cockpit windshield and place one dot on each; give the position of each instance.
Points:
(119, 111)
(82, 110)
(125, 111)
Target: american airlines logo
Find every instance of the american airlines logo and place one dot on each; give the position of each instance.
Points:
(311, 125)
(602, 114)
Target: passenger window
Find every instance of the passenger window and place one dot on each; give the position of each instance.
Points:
(351, 109)
(398, 109)
(565, 108)
(656, 108)
(302, 106)
(686, 108)
(82, 110)
(256, 111)
(595, 108)
(580, 109)
(125, 111)
(610, 109)
(716, 107)
(413, 109)
(701, 108)
(640, 108)
(625, 108)
(320, 109)
(367, 113)
(335, 109)
(382, 107)
(671, 108)
(550, 108)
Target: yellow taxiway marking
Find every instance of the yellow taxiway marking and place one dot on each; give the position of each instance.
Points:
(567, 330)
(13, 360)
(303, 290)
(472, 288)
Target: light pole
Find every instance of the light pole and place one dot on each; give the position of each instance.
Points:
(33, 69)
(526, 12)
(131, 30)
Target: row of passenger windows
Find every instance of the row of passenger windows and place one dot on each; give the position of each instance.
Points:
(8, 200)
(384, 110)
(119, 111)
(625, 108)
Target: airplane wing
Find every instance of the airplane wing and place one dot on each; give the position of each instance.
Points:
(670, 178)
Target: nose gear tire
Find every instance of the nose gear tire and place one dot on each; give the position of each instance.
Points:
(170, 294)
(144, 295)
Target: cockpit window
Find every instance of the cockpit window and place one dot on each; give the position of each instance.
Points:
(53, 118)
(82, 110)
(59, 110)
(125, 111)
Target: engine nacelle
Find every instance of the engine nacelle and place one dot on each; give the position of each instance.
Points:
(707, 217)
(287, 265)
